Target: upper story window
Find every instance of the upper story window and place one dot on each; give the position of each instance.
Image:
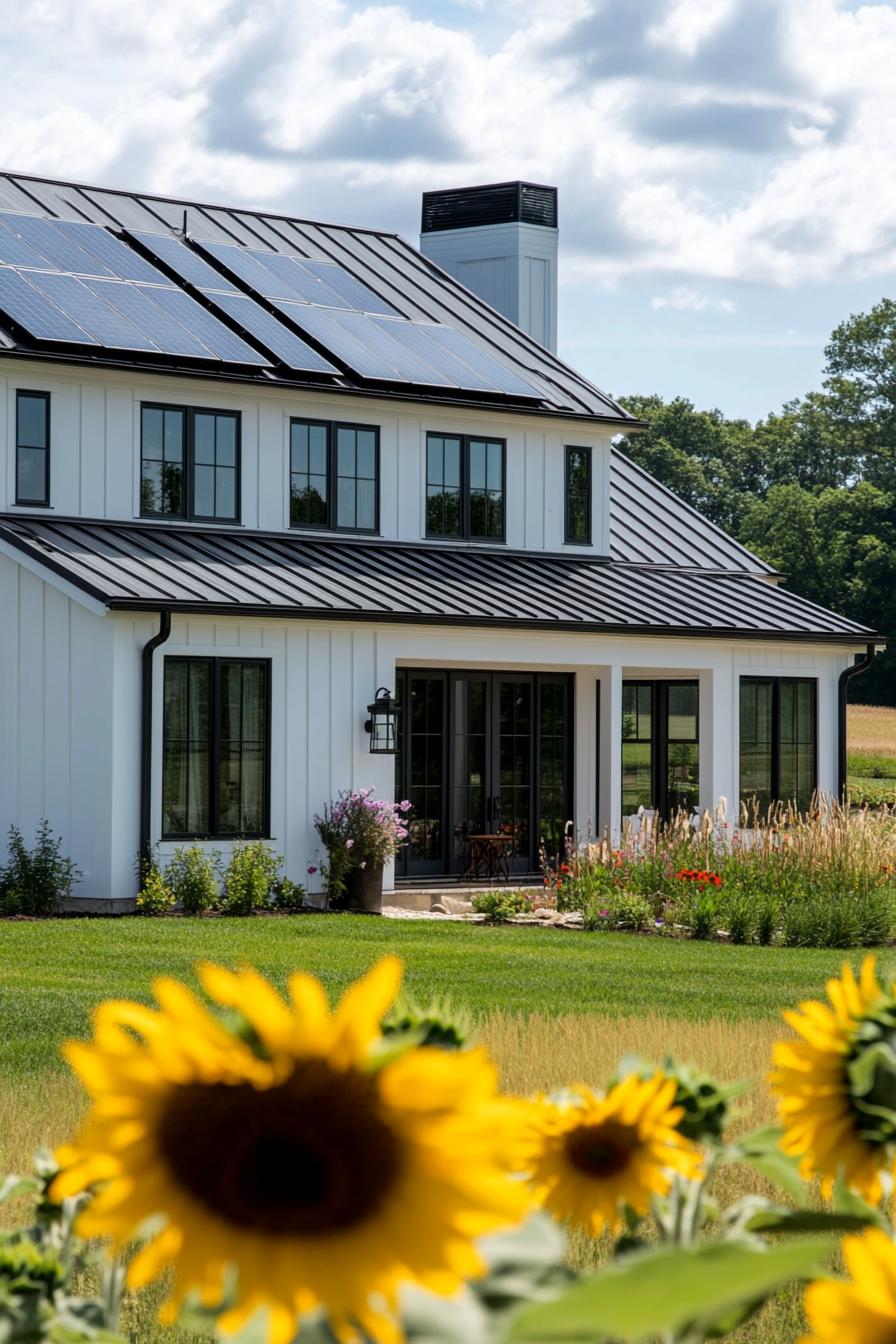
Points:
(190, 463)
(334, 476)
(578, 497)
(33, 448)
(465, 487)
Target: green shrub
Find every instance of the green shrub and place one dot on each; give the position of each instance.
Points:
(767, 919)
(250, 878)
(36, 881)
(845, 920)
(501, 905)
(704, 914)
(155, 897)
(192, 875)
(738, 913)
(288, 896)
(617, 910)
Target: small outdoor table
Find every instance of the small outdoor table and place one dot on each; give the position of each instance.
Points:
(490, 856)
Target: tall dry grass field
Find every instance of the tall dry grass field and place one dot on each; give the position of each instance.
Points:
(871, 730)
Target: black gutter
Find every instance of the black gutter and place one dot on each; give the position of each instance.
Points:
(149, 648)
(842, 685)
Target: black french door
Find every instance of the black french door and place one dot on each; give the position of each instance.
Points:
(483, 753)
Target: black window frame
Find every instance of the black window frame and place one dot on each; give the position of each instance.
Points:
(465, 440)
(214, 832)
(659, 740)
(188, 513)
(568, 539)
(776, 683)
(44, 501)
(333, 427)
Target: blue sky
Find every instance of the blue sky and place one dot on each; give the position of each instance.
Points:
(726, 167)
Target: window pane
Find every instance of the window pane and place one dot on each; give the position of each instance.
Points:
(174, 436)
(683, 705)
(366, 505)
(756, 732)
(225, 441)
(317, 439)
(452, 463)
(242, 780)
(345, 452)
(204, 492)
(345, 503)
(443, 500)
(366, 446)
(31, 467)
(152, 433)
(204, 438)
(151, 488)
(308, 478)
(477, 465)
(435, 461)
(185, 755)
(172, 487)
(299, 448)
(637, 776)
(31, 428)
(225, 492)
(578, 496)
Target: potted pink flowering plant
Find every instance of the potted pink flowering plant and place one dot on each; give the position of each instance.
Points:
(361, 834)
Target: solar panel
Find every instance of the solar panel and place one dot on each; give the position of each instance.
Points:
(409, 359)
(33, 311)
(55, 245)
(220, 339)
(184, 261)
(323, 324)
(14, 251)
(293, 281)
(136, 304)
(416, 338)
(355, 294)
(244, 262)
(121, 260)
(458, 345)
(273, 335)
(105, 324)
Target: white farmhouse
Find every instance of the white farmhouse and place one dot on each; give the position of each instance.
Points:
(256, 469)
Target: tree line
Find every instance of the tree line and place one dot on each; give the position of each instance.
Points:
(811, 489)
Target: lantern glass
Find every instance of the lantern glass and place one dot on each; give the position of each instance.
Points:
(382, 724)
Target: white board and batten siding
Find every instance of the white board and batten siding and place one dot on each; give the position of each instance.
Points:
(70, 712)
(95, 452)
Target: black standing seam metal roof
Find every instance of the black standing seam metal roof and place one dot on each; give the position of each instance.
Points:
(134, 566)
(412, 284)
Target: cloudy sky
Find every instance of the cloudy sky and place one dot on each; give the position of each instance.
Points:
(727, 168)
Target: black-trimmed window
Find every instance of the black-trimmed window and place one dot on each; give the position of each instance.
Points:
(216, 748)
(33, 448)
(577, 511)
(189, 463)
(465, 487)
(778, 741)
(334, 476)
(660, 746)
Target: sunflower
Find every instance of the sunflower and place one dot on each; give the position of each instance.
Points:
(836, 1087)
(592, 1154)
(277, 1139)
(863, 1311)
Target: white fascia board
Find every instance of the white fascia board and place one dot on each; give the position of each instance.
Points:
(54, 580)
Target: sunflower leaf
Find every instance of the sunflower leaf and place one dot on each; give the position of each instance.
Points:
(808, 1220)
(849, 1201)
(11, 1187)
(762, 1151)
(649, 1293)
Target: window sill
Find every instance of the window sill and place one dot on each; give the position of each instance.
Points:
(43, 508)
(170, 521)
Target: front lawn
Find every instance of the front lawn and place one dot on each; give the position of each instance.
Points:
(53, 971)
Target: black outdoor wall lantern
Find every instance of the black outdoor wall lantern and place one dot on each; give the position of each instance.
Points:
(383, 723)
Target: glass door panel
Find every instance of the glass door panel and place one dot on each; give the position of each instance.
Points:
(420, 767)
(637, 746)
(682, 747)
(553, 765)
(470, 762)
(512, 805)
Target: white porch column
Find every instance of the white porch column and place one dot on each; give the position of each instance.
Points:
(609, 772)
(827, 727)
(585, 754)
(719, 709)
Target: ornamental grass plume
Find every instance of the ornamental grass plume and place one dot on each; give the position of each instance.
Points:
(283, 1140)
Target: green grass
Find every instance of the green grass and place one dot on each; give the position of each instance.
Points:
(871, 767)
(871, 789)
(52, 972)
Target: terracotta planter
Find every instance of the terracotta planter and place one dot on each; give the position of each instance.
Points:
(364, 890)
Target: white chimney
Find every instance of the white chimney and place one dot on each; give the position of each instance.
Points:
(501, 242)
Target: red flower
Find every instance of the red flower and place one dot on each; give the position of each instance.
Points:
(565, 868)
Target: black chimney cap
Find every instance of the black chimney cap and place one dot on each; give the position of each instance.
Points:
(499, 203)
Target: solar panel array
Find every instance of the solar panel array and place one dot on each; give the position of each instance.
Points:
(256, 321)
(363, 331)
(77, 284)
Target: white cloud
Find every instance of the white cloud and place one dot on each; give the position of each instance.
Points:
(726, 141)
(693, 301)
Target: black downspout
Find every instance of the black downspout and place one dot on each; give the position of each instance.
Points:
(845, 677)
(149, 648)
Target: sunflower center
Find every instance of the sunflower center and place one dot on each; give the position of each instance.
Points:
(601, 1150)
(310, 1156)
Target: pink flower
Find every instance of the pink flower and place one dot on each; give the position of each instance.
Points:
(363, 863)
(405, 805)
(349, 844)
(312, 870)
